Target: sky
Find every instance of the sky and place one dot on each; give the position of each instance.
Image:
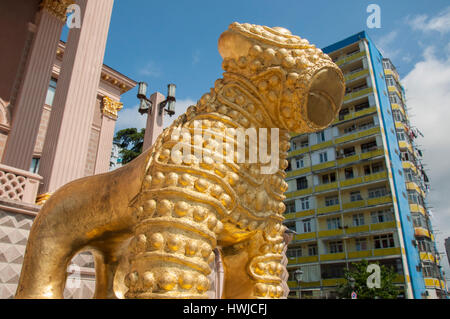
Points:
(162, 42)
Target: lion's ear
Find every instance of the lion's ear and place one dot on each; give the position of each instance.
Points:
(233, 45)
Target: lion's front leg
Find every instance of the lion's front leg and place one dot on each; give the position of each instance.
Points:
(253, 268)
(172, 250)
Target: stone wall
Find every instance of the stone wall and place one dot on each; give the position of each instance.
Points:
(14, 230)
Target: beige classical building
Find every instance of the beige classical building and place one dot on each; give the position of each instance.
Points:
(58, 107)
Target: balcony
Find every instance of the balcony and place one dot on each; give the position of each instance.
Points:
(420, 232)
(426, 256)
(299, 172)
(18, 185)
(298, 193)
(350, 58)
(434, 283)
(325, 187)
(416, 208)
(356, 74)
(361, 156)
(300, 214)
(303, 260)
(359, 133)
(328, 257)
(358, 93)
(331, 233)
(355, 115)
(328, 209)
(305, 236)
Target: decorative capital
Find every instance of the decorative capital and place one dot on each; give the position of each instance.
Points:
(58, 8)
(111, 108)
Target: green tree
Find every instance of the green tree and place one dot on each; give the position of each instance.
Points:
(358, 271)
(131, 142)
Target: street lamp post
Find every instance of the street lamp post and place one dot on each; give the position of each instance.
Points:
(352, 281)
(299, 276)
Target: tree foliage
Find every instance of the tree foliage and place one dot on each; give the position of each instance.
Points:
(131, 142)
(358, 271)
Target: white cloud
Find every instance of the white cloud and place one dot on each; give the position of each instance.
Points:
(439, 23)
(151, 70)
(385, 42)
(428, 94)
(130, 117)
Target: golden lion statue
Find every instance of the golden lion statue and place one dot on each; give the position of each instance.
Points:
(154, 224)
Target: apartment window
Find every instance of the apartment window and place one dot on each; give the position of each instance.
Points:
(377, 168)
(300, 162)
(291, 226)
(34, 168)
(336, 247)
(362, 106)
(382, 216)
(419, 221)
(331, 201)
(384, 241)
(361, 244)
(304, 143)
(349, 173)
(349, 151)
(397, 116)
(290, 207)
(390, 81)
(394, 98)
(401, 136)
(355, 196)
(378, 192)
(413, 197)
(367, 147)
(329, 178)
(294, 252)
(312, 250)
(323, 157)
(349, 129)
(51, 92)
(304, 202)
(429, 270)
(307, 226)
(334, 223)
(409, 175)
(302, 183)
(343, 113)
(358, 220)
(289, 167)
(320, 137)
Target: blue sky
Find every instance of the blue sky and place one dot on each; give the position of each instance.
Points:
(163, 42)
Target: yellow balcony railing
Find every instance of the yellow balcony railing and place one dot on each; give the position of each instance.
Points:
(375, 177)
(299, 172)
(358, 229)
(350, 58)
(387, 251)
(349, 159)
(299, 151)
(396, 106)
(305, 236)
(420, 231)
(409, 165)
(303, 260)
(333, 282)
(379, 200)
(350, 182)
(427, 257)
(382, 226)
(359, 93)
(416, 208)
(331, 233)
(356, 75)
(299, 214)
(321, 145)
(325, 187)
(434, 283)
(337, 256)
(299, 193)
(405, 145)
(324, 166)
(360, 254)
(328, 209)
(356, 204)
(372, 154)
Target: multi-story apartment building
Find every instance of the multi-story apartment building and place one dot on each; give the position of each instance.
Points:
(357, 189)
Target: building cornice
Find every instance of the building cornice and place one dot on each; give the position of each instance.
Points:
(57, 8)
